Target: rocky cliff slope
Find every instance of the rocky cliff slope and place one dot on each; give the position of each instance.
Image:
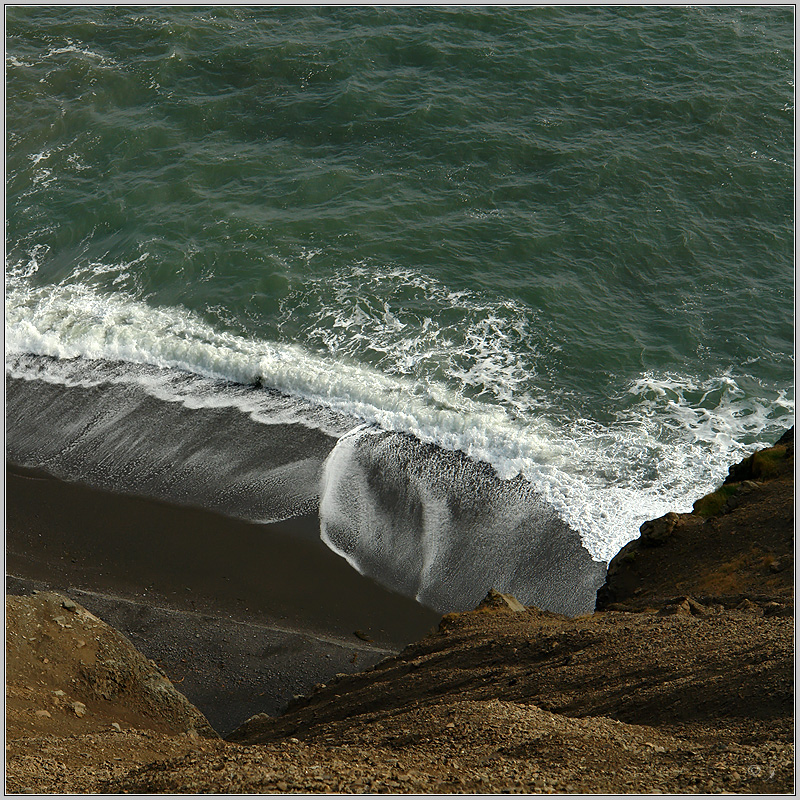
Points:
(736, 547)
(681, 682)
(81, 702)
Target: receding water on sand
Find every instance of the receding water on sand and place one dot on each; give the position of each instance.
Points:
(428, 523)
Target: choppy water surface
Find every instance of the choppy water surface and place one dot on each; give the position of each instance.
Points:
(554, 244)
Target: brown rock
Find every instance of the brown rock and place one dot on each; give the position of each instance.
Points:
(684, 605)
(778, 610)
(770, 462)
(655, 533)
(79, 709)
(495, 600)
(749, 605)
(676, 608)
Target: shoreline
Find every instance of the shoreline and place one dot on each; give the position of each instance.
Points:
(421, 519)
(193, 587)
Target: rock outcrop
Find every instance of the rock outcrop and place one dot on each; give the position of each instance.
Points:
(497, 600)
(77, 675)
(736, 545)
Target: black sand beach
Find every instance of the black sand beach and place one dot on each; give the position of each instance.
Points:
(242, 616)
(151, 513)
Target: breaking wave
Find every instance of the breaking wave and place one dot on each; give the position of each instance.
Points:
(671, 439)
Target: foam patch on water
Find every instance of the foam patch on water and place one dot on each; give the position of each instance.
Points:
(672, 440)
(410, 324)
(79, 52)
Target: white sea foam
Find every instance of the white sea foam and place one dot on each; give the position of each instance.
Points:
(672, 440)
(73, 50)
(410, 324)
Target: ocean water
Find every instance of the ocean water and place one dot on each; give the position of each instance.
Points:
(485, 288)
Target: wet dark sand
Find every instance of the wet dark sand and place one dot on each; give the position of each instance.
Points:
(242, 615)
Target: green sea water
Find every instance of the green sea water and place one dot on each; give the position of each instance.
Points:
(559, 240)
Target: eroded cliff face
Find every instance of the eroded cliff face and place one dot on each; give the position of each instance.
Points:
(737, 545)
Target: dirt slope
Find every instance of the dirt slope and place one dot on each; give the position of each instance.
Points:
(81, 701)
(503, 701)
